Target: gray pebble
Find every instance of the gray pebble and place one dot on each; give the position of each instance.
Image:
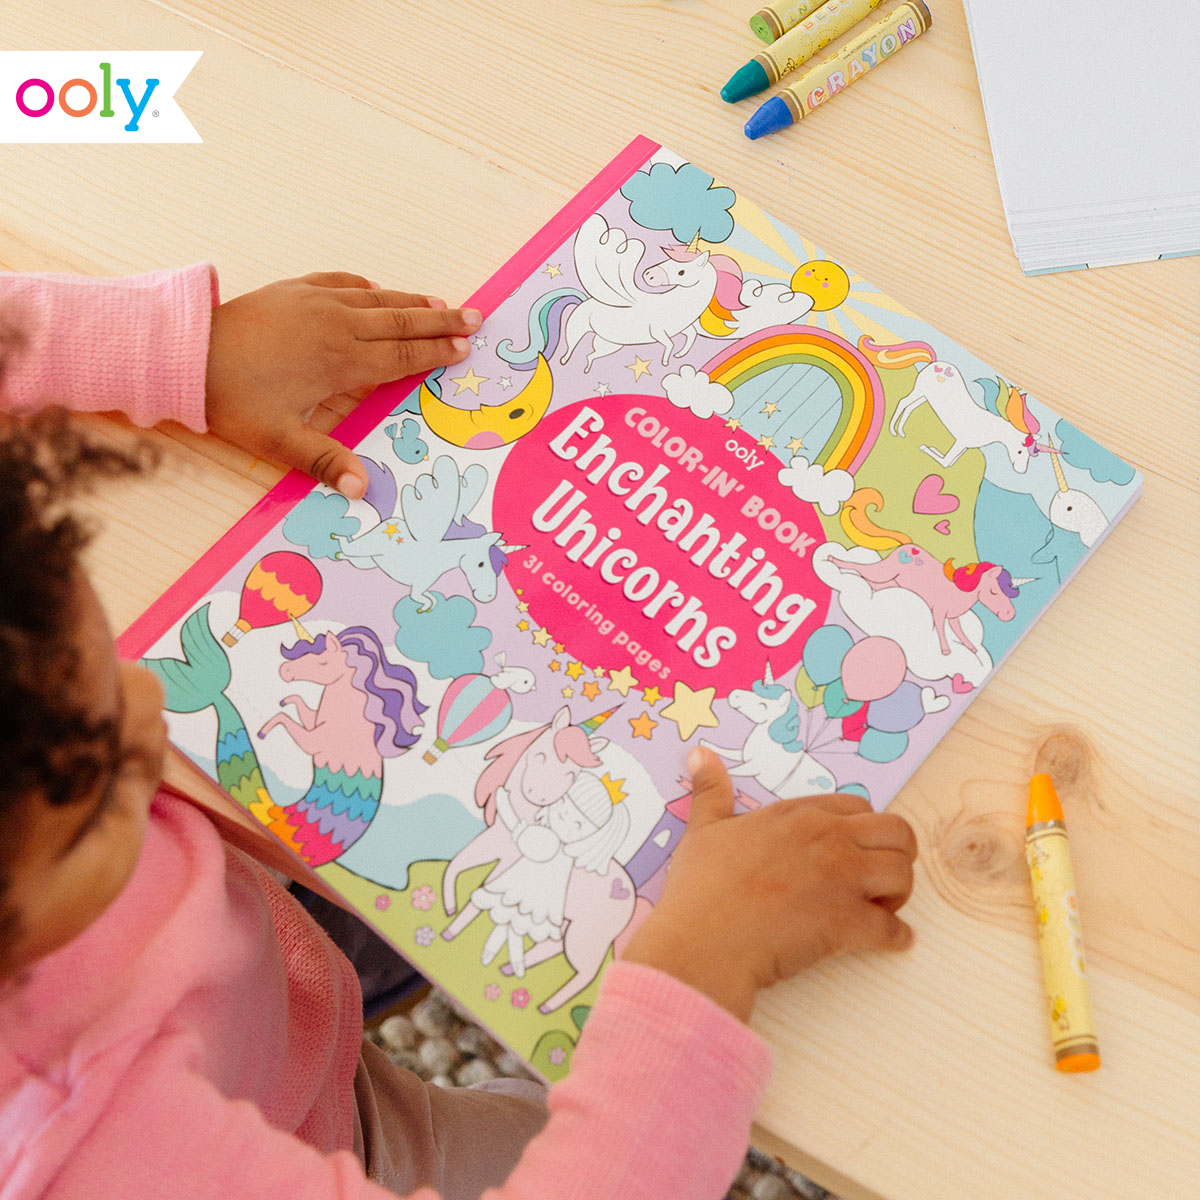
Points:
(398, 1033)
(434, 1017)
(475, 1070)
(439, 1055)
(507, 1063)
(474, 1043)
(442, 1081)
(805, 1188)
(409, 1060)
(771, 1187)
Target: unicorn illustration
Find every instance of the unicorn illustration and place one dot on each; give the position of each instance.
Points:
(368, 712)
(773, 752)
(1007, 419)
(429, 532)
(536, 769)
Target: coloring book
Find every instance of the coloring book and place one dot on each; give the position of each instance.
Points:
(697, 482)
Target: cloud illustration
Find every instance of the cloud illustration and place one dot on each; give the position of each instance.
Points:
(694, 391)
(314, 521)
(828, 490)
(682, 200)
(444, 637)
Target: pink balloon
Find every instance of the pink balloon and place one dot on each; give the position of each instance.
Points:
(873, 668)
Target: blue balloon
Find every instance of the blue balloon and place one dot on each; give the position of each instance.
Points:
(882, 747)
(824, 651)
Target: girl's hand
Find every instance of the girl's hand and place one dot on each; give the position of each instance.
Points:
(276, 353)
(753, 899)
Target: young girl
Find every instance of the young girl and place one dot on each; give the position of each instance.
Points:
(172, 1024)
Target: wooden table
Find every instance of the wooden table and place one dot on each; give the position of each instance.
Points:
(374, 136)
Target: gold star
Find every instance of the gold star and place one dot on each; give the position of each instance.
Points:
(568, 692)
(553, 269)
(390, 529)
(770, 409)
(643, 726)
(795, 444)
(542, 637)
(622, 680)
(559, 647)
(469, 380)
(591, 690)
(766, 441)
(599, 672)
(575, 670)
(556, 665)
(522, 625)
(639, 367)
(733, 423)
(522, 606)
(690, 709)
(652, 695)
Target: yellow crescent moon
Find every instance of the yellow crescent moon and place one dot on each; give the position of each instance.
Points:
(490, 425)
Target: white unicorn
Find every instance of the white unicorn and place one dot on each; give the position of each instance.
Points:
(619, 313)
(771, 753)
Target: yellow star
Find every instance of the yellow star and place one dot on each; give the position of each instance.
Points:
(522, 625)
(522, 606)
(599, 672)
(553, 269)
(622, 680)
(643, 726)
(556, 665)
(575, 670)
(390, 528)
(733, 423)
(795, 444)
(469, 380)
(568, 692)
(542, 637)
(770, 408)
(766, 441)
(690, 709)
(639, 367)
(652, 695)
(591, 690)
(558, 647)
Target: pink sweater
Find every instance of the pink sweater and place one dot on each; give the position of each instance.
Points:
(200, 1038)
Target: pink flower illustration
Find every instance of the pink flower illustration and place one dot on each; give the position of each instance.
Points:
(492, 991)
(558, 1056)
(422, 898)
(424, 935)
(382, 902)
(520, 998)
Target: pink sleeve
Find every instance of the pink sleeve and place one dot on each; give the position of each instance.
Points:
(658, 1106)
(138, 345)
(659, 1101)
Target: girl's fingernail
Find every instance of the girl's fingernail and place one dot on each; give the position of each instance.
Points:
(350, 486)
(472, 318)
(695, 759)
(435, 302)
(460, 345)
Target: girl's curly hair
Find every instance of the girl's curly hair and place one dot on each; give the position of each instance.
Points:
(49, 744)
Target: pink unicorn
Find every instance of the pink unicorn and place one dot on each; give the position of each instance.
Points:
(948, 590)
(536, 768)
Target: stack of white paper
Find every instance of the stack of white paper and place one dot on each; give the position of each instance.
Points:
(1094, 116)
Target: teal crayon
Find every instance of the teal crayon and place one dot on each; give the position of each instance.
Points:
(840, 69)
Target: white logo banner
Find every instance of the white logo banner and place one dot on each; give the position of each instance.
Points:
(94, 95)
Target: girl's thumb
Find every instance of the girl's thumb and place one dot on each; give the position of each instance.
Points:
(325, 459)
(712, 791)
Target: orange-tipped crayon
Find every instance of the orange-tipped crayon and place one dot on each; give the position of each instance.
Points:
(1060, 933)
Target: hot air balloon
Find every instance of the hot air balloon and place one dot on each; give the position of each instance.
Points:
(282, 586)
(472, 710)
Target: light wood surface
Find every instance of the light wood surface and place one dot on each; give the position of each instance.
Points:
(421, 143)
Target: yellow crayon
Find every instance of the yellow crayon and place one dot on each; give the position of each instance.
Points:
(1059, 931)
(773, 20)
(814, 32)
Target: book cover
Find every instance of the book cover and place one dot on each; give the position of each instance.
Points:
(697, 482)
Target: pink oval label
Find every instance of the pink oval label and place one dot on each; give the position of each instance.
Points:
(658, 540)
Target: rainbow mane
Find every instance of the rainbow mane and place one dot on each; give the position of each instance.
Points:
(903, 354)
(1009, 402)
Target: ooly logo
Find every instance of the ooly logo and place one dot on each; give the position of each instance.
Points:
(94, 96)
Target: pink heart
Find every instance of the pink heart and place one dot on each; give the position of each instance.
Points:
(618, 891)
(929, 497)
(961, 686)
(943, 527)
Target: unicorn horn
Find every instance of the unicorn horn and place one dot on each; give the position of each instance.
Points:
(694, 244)
(594, 723)
(1058, 471)
(301, 632)
(1022, 582)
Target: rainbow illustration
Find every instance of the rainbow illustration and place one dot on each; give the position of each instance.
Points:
(862, 394)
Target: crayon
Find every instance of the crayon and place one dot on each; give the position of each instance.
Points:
(841, 68)
(775, 19)
(813, 33)
(1059, 931)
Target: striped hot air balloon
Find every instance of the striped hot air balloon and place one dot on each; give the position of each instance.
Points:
(472, 710)
(282, 586)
